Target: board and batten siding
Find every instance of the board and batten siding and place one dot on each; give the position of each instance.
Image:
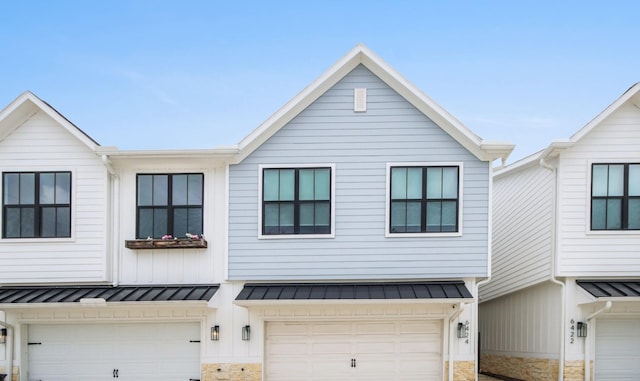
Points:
(41, 144)
(522, 230)
(173, 266)
(523, 323)
(359, 145)
(583, 252)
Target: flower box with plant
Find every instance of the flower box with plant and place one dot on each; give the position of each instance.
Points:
(189, 241)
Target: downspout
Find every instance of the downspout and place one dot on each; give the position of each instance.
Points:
(453, 317)
(112, 224)
(554, 254)
(476, 344)
(9, 348)
(587, 348)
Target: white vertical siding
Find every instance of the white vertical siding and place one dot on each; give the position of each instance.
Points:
(582, 252)
(40, 144)
(525, 323)
(173, 266)
(360, 145)
(522, 230)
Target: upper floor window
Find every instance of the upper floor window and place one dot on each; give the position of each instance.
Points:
(424, 199)
(169, 204)
(296, 201)
(36, 204)
(615, 197)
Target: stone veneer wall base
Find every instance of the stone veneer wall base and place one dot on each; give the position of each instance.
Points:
(232, 372)
(521, 368)
(462, 371)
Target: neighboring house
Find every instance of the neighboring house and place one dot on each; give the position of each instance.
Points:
(344, 238)
(359, 230)
(76, 301)
(564, 298)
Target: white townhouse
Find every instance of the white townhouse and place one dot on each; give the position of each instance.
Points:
(344, 238)
(564, 299)
(359, 225)
(89, 290)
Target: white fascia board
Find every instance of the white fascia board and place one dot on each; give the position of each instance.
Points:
(520, 165)
(624, 98)
(27, 104)
(298, 103)
(325, 302)
(217, 153)
(363, 55)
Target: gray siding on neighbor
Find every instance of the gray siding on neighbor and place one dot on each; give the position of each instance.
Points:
(360, 145)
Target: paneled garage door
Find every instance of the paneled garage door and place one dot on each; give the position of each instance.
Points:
(366, 350)
(127, 352)
(617, 350)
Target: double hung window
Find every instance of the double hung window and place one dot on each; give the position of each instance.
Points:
(36, 204)
(296, 201)
(424, 199)
(169, 204)
(615, 197)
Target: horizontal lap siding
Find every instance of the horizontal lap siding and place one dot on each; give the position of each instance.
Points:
(522, 231)
(583, 253)
(40, 144)
(360, 145)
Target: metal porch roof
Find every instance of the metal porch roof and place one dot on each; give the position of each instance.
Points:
(611, 288)
(73, 294)
(342, 291)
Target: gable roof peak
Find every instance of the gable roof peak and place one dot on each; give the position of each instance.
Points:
(25, 106)
(361, 54)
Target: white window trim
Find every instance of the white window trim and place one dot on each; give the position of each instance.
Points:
(387, 219)
(261, 168)
(44, 240)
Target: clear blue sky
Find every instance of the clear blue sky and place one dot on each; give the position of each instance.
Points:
(158, 74)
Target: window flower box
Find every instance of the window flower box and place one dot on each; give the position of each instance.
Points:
(178, 243)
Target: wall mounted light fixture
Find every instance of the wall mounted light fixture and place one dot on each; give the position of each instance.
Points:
(3, 335)
(215, 333)
(246, 333)
(582, 329)
(463, 330)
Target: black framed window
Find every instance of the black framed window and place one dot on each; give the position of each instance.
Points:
(615, 197)
(296, 201)
(169, 204)
(424, 199)
(36, 204)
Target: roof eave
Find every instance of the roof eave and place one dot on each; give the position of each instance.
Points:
(324, 302)
(486, 151)
(21, 111)
(624, 98)
(216, 153)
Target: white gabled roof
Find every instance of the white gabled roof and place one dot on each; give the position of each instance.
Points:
(483, 150)
(556, 146)
(559, 145)
(25, 106)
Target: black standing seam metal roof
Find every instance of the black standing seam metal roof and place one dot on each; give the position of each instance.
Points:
(611, 288)
(73, 294)
(360, 291)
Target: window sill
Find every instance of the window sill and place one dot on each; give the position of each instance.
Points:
(184, 243)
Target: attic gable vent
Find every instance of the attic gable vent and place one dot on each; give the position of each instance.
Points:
(360, 99)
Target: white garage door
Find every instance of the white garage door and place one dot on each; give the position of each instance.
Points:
(617, 350)
(371, 351)
(128, 352)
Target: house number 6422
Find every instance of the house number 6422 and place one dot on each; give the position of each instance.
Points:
(572, 331)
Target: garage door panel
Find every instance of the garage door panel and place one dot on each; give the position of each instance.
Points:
(382, 350)
(617, 348)
(331, 348)
(331, 330)
(139, 352)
